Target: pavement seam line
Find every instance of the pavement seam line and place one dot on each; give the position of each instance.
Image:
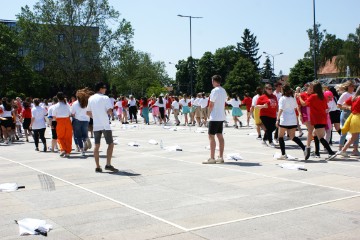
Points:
(100, 195)
(257, 174)
(273, 213)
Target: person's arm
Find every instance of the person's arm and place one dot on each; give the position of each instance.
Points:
(211, 106)
(278, 117)
(89, 113)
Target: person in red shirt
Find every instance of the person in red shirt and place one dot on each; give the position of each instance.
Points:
(247, 102)
(268, 105)
(26, 117)
(318, 119)
(125, 107)
(352, 123)
(168, 106)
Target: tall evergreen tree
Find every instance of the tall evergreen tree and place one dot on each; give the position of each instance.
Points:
(249, 48)
(267, 71)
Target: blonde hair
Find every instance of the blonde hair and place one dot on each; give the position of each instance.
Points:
(347, 84)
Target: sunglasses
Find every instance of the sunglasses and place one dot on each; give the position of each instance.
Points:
(269, 88)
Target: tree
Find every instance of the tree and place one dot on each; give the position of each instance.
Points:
(249, 48)
(330, 47)
(350, 54)
(183, 74)
(316, 40)
(69, 41)
(225, 59)
(205, 70)
(15, 76)
(243, 78)
(302, 72)
(267, 71)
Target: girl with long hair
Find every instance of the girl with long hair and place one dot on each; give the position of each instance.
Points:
(38, 124)
(236, 111)
(184, 106)
(318, 119)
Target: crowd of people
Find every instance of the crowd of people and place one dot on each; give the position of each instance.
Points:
(277, 112)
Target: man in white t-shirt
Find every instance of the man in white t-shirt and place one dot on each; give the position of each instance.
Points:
(218, 98)
(99, 107)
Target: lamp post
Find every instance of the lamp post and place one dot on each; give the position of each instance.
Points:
(178, 84)
(273, 58)
(315, 67)
(191, 60)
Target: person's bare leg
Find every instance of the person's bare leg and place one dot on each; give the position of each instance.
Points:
(221, 144)
(96, 155)
(354, 136)
(212, 146)
(109, 153)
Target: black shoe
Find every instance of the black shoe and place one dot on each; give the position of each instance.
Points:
(241, 125)
(37, 149)
(98, 169)
(307, 153)
(45, 148)
(111, 168)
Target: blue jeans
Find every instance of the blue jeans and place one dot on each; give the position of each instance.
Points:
(80, 131)
(343, 116)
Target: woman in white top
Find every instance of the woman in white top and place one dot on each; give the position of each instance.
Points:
(287, 119)
(119, 109)
(184, 105)
(61, 113)
(236, 111)
(38, 124)
(7, 122)
(176, 106)
(161, 102)
(81, 119)
(349, 87)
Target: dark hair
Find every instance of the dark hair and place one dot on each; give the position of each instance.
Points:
(36, 101)
(216, 78)
(234, 96)
(145, 101)
(99, 85)
(61, 97)
(161, 100)
(55, 100)
(265, 92)
(287, 91)
(317, 88)
(259, 90)
(176, 99)
(82, 95)
(7, 105)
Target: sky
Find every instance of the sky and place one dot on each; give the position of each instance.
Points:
(279, 25)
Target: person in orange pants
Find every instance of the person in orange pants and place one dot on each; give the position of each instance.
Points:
(62, 113)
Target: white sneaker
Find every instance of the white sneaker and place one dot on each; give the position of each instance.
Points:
(272, 145)
(62, 154)
(219, 160)
(264, 143)
(210, 161)
(344, 154)
(283, 157)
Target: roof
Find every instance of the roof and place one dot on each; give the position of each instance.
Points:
(329, 68)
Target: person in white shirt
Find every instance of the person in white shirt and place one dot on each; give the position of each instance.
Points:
(64, 131)
(255, 112)
(132, 103)
(175, 107)
(161, 103)
(184, 105)
(98, 109)
(236, 111)
(218, 98)
(81, 119)
(204, 109)
(287, 120)
(38, 124)
(197, 107)
(52, 123)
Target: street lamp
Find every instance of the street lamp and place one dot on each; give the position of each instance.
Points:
(273, 58)
(191, 65)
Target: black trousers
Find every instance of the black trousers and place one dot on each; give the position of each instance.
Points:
(133, 112)
(39, 133)
(270, 125)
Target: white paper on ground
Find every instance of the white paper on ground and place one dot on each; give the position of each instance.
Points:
(208, 147)
(116, 141)
(173, 148)
(201, 130)
(153, 141)
(173, 129)
(182, 128)
(291, 166)
(166, 127)
(277, 155)
(233, 156)
(252, 134)
(8, 187)
(127, 126)
(29, 225)
(133, 144)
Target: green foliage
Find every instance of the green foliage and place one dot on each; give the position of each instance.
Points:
(155, 90)
(316, 40)
(249, 47)
(183, 74)
(243, 78)
(225, 59)
(330, 47)
(350, 54)
(71, 40)
(267, 71)
(301, 73)
(205, 70)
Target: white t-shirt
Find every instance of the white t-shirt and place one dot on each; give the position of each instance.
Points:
(288, 116)
(79, 113)
(50, 111)
(218, 97)
(112, 101)
(118, 104)
(278, 95)
(234, 103)
(197, 101)
(61, 110)
(332, 105)
(175, 105)
(254, 100)
(204, 102)
(184, 102)
(132, 103)
(38, 113)
(99, 104)
(160, 104)
(345, 96)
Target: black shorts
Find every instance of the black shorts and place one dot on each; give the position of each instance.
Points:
(91, 122)
(107, 135)
(288, 127)
(8, 123)
(26, 123)
(317, 126)
(215, 127)
(53, 130)
(335, 116)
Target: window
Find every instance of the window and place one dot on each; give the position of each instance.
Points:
(39, 66)
(77, 39)
(61, 37)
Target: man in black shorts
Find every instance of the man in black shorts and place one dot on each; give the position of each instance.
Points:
(218, 98)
